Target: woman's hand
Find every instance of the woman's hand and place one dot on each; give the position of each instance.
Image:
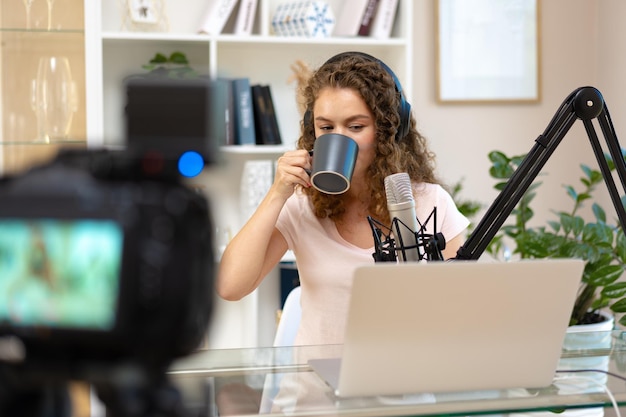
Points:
(292, 170)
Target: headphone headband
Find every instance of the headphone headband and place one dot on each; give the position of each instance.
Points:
(404, 109)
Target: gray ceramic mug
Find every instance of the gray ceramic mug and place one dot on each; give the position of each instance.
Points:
(334, 158)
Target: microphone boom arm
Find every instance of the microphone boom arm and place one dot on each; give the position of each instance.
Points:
(585, 103)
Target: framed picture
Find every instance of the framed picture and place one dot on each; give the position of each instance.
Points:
(487, 51)
(143, 11)
(145, 15)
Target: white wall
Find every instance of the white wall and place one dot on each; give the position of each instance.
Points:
(578, 40)
(611, 61)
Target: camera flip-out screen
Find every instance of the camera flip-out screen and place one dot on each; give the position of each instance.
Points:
(60, 273)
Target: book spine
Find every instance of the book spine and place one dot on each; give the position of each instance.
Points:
(349, 19)
(272, 119)
(384, 19)
(368, 18)
(231, 133)
(223, 118)
(244, 113)
(216, 16)
(262, 127)
(265, 131)
(245, 17)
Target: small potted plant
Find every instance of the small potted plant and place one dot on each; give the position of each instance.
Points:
(601, 242)
(176, 65)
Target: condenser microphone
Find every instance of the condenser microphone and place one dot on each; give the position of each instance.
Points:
(401, 206)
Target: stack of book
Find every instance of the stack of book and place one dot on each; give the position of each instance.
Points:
(245, 113)
(374, 18)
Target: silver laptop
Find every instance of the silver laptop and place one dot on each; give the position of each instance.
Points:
(453, 326)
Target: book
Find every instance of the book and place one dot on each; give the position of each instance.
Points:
(271, 113)
(384, 19)
(265, 121)
(222, 112)
(243, 110)
(245, 17)
(349, 18)
(368, 18)
(263, 128)
(216, 15)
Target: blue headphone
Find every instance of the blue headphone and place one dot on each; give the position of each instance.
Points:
(405, 107)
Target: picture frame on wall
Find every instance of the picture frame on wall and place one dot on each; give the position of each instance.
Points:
(488, 51)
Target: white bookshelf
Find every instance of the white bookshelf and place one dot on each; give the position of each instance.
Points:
(113, 53)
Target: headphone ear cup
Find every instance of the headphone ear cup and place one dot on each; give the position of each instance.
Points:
(405, 118)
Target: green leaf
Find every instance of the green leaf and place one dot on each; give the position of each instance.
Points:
(158, 59)
(599, 213)
(609, 160)
(498, 157)
(620, 246)
(571, 192)
(500, 186)
(596, 177)
(600, 303)
(597, 233)
(588, 171)
(517, 160)
(619, 306)
(501, 171)
(616, 290)
(582, 197)
(567, 221)
(605, 275)
(178, 58)
(556, 226)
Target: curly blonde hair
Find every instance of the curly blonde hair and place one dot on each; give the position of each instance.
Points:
(378, 89)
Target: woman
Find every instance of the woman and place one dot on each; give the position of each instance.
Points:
(358, 96)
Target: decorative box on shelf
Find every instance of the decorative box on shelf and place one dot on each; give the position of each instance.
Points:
(310, 19)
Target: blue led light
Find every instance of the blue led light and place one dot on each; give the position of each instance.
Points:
(190, 164)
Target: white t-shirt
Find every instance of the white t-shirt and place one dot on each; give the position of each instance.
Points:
(326, 262)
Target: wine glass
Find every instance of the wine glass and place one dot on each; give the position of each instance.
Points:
(54, 98)
(27, 5)
(50, 5)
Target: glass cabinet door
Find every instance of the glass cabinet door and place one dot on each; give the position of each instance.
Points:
(42, 80)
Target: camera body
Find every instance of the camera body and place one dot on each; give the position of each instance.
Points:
(101, 269)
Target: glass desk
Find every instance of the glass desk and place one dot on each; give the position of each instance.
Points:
(279, 381)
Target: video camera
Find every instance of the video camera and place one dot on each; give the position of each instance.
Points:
(106, 257)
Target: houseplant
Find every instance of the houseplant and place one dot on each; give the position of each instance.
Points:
(176, 65)
(601, 242)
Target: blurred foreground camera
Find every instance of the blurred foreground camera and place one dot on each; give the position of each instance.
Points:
(106, 261)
